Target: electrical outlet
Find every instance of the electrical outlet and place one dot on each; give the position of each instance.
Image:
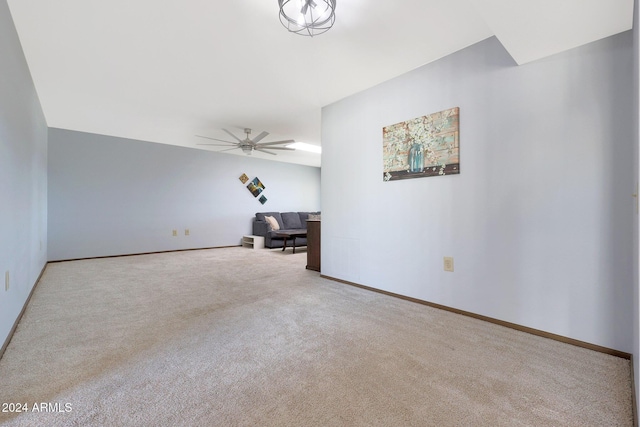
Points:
(6, 280)
(175, 233)
(448, 263)
(186, 231)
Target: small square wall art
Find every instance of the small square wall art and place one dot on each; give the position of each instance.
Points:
(421, 147)
(244, 178)
(255, 187)
(263, 199)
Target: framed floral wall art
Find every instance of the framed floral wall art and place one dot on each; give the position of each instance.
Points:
(421, 147)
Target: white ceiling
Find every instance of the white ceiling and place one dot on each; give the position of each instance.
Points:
(166, 70)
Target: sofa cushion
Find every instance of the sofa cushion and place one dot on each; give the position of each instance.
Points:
(291, 221)
(260, 217)
(272, 222)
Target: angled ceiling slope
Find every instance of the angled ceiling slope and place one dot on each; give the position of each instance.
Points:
(531, 30)
(165, 72)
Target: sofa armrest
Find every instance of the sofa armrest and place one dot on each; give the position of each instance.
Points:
(260, 228)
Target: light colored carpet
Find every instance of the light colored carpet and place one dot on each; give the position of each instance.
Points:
(234, 336)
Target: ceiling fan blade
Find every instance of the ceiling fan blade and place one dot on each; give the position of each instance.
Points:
(275, 148)
(264, 151)
(288, 141)
(235, 137)
(259, 137)
(216, 139)
(218, 145)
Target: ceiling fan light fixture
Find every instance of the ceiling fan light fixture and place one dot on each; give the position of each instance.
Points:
(307, 17)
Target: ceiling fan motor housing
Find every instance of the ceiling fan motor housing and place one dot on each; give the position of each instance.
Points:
(246, 147)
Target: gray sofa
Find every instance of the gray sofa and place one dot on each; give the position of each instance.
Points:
(286, 221)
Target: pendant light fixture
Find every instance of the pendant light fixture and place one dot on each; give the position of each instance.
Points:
(307, 17)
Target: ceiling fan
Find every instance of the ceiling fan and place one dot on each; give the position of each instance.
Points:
(247, 145)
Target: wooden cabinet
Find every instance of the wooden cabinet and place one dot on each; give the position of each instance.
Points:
(313, 245)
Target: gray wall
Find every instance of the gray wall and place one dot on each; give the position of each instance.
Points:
(539, 221)
(23, 177)
(113, 196)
